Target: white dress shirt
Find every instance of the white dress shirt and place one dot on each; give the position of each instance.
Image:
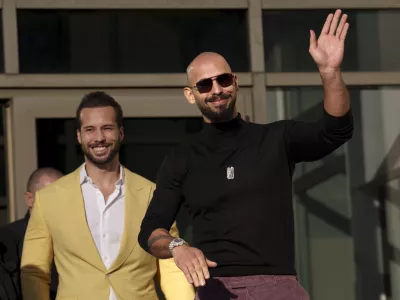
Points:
(105, 220)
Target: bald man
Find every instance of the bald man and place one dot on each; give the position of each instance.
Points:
(12, 235)
(235, 179)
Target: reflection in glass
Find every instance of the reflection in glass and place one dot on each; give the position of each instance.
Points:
(337, 217)
(322, 207)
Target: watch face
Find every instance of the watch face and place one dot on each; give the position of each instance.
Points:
(176, 242)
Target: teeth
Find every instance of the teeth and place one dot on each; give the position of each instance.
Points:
(99, 148)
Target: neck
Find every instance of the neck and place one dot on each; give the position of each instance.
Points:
(104, 174)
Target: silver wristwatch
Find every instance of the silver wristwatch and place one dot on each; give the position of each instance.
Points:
(175, 243)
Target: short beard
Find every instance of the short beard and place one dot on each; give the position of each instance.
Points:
(223, 114)
(103, 162)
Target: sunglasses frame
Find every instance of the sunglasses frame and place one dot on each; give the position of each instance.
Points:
(214, 78)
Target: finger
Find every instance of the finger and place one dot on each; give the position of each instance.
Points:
(335, 22)
(211, 264)
(313, 40)
(341, 25)
(204, 268)
(344, 32)
(327, 24)
(193, 274)
(188, 276)
(200, 275)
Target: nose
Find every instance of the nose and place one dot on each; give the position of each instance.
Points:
(216, 88)
(99, 136)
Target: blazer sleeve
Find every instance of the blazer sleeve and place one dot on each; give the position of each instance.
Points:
(37, 256)
(172, 280)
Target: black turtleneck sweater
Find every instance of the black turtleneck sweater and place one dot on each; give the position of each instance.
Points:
(235, 179)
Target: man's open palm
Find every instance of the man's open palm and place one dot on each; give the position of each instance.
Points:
(328, 50)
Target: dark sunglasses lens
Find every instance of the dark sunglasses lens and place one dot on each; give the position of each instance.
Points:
(225, 80)
(205, 85)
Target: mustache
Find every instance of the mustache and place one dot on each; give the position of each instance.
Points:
(213, 98)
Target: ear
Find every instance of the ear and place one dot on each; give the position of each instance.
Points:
(78, 136)
(236, 81)
(189, 95)
(29, 199)
(121, 133)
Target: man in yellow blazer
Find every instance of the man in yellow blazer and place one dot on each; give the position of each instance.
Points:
(89, 222)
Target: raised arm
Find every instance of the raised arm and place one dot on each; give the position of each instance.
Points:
(37, 256)
(328, 52)
(312, 141)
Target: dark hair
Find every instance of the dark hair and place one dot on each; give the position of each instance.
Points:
(36, 175)
(99, 99)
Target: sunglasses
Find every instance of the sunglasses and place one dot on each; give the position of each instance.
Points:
(205, 85)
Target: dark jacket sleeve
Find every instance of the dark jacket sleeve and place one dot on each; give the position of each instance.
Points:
(53, 282)
(10, 285)
(312, 141)
(167, 198)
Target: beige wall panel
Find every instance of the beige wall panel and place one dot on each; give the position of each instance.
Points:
(350, 78)
(10, 38)
(101, 80)
(304, 4)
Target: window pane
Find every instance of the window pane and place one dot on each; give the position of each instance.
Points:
(370, 43)
(128, 41)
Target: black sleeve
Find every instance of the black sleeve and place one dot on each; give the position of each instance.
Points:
(167, 198)
(9, 266)
(312, 141)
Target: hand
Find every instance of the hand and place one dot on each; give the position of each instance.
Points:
(193, 264)
(328, 51)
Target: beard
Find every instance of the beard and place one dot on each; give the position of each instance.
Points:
(101, 161)
(221, 113)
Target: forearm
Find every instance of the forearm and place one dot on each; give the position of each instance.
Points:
(336, 95)
(158, 243)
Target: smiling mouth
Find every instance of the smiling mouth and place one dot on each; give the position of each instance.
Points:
(219, 100)
(100, 150)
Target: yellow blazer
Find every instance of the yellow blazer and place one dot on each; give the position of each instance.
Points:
(58, 228)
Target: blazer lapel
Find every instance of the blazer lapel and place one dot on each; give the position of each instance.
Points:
(82, 232)
(136, 201)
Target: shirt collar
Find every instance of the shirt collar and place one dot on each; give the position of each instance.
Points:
(84, 177)
(224, 127)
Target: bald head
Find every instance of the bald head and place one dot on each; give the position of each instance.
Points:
(215, 95)
(42, 177)
(205, 65)
(39, 179)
